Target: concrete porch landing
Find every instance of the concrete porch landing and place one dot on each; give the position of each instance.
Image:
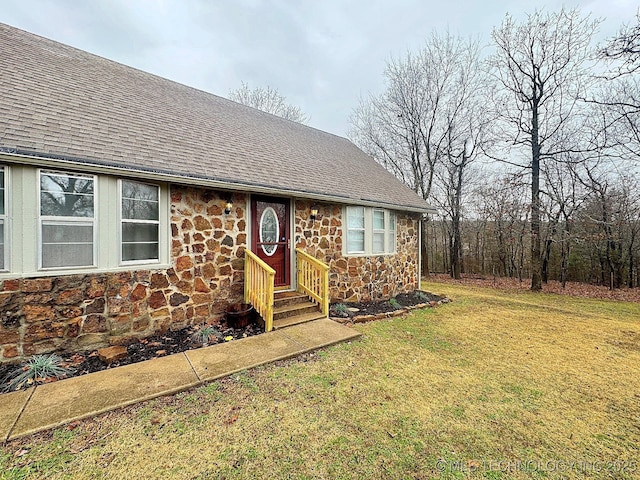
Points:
(54, 404)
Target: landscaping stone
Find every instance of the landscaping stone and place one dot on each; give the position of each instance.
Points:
(111, 354)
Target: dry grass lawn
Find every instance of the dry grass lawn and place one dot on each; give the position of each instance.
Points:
(493, 385)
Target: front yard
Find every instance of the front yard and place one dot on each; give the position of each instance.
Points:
(493, 385)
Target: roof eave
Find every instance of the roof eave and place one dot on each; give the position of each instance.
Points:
(92, 166)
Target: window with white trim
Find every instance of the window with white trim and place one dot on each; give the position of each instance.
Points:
(139, 221)
(3, 219)
(355, 230)
(67, 220)
(379, 231)
(370, 231)
(72, 222)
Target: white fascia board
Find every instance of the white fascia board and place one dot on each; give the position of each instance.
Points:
(97, 168)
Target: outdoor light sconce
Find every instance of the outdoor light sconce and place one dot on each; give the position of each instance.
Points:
(314, 213)
(228, 206)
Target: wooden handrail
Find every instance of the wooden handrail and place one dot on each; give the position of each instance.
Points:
(258, 287)
(313, 279)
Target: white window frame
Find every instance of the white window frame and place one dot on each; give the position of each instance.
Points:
(379, 231)
(59, 220)
(23, 232)
(389, 232)
(122, 221)
(356, 229)
(4, 220)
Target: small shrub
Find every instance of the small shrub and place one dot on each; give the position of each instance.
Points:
(394, 303)
(205, 334)
(422, 296)
(340, 309)
(36, 370)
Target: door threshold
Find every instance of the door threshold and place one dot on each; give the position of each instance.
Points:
(286, 288)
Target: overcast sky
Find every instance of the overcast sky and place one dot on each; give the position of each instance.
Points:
(322, 55)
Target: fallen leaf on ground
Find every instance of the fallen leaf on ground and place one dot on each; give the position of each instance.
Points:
(73, 425)
(231, 420)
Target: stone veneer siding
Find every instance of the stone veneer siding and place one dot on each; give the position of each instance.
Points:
(81, 312)
(77, 312)
(359, 278)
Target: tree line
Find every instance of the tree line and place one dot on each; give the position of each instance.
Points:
(529, 148)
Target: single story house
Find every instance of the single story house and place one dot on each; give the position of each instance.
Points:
(131, 204)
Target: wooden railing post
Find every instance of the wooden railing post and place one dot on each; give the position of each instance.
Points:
(313, 279)
(325, 288)
(259, 281)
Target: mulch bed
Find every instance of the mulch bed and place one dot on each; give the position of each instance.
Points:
(140, 350)
(181, 340)
(365, 310)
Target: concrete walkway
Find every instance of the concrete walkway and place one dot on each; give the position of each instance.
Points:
(53, 404)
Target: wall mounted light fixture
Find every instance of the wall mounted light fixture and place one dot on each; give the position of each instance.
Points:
(314, 213)
(228, 206)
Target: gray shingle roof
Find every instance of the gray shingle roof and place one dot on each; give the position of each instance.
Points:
(58, 101)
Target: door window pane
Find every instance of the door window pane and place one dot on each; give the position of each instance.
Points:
(269, 231)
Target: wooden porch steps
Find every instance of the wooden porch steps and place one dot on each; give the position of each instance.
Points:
(295, 320)
(292, 308)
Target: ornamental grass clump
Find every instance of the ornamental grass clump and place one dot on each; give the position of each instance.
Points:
(36, 370)
(340, 310)
(206, 334)
(422, 296)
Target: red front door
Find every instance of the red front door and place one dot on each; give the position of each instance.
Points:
(270, 235)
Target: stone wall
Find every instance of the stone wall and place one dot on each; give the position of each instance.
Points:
(206, 273)
(359, 278)
(77, 312)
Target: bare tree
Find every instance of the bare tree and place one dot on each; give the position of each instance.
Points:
(620, 94)
(502, 205)
(268, 100)
(429, 113)
(454, 180)
(541, 64)
(623, 50)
